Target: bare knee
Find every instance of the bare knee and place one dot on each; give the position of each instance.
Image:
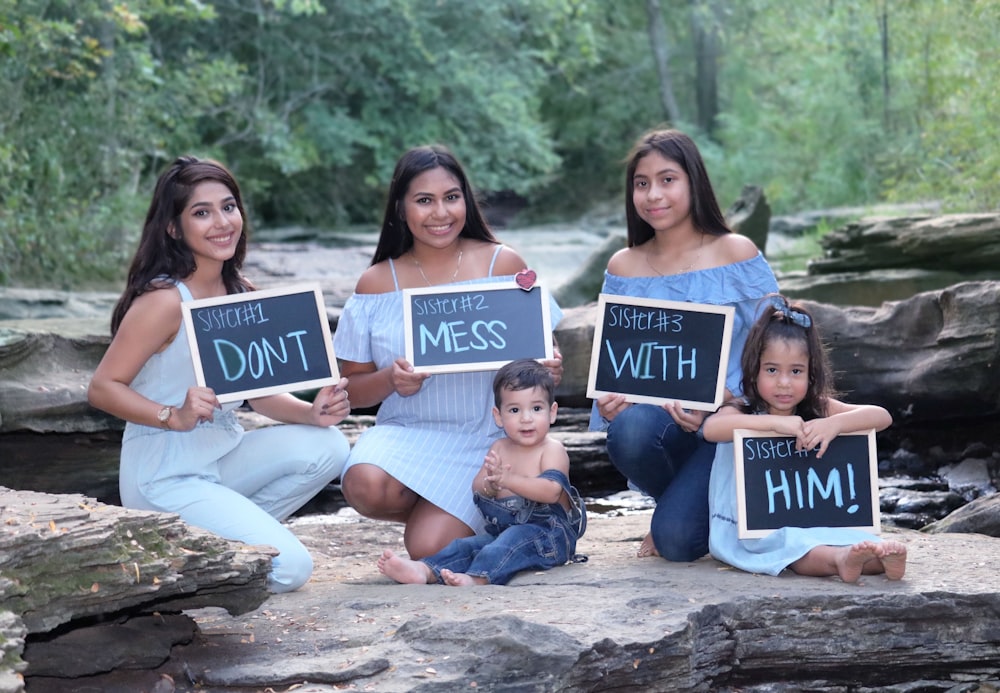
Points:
(373, 493)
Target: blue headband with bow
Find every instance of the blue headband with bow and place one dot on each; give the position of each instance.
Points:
(796, 317)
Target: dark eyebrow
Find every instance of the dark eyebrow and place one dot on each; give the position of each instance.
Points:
(446, 192)
(207, 203)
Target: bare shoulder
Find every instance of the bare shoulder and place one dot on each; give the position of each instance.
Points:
(509, 261)
(554, 455)
(377, 279)
(152, 321)
(157, 307)
(730, 248)
(625, 262)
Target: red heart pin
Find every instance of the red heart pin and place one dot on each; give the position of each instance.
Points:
(526, 279)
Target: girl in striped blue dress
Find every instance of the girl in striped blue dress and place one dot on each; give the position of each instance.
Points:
(432, 432)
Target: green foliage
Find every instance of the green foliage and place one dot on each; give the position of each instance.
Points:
(311, 102)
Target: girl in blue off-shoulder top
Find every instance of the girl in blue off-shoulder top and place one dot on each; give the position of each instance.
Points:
(679, 249)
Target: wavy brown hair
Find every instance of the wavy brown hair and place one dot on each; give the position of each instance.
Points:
(160, 256)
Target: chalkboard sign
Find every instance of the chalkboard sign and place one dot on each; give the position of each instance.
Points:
(260, 343)
(476, 327)
(778, 486)
(656, 351)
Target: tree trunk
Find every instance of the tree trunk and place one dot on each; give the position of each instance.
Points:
(705, 34)
(661, 55)
(883, 26)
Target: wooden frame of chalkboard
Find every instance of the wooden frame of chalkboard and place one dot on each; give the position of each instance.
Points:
(654, 351)
(778, 486)
(475, 327)
(260, 343)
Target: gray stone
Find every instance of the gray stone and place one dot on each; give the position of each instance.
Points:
(12, 634)
(962, 242)
(981, 516)
(872, 288)
(21, 303)
(750, 215)
(584, 285)
(931, 358)
(45, 368)
(803, 222)
(613, 623)
(66, 557)
(971, 478)
(140, 642)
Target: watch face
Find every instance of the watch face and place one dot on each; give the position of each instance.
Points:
(164, 414)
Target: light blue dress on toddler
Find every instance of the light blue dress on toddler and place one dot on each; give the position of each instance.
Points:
(773, 553)
(433, 442)
(239, 485)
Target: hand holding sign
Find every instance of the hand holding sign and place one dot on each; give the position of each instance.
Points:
(470, 327)
(656, 351)
(780, 483)
(331, 405)
(405, 382)
(260, 343)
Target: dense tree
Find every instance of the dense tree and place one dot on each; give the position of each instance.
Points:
(311, 101)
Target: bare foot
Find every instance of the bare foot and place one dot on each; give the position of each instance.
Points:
(647, 547)
(404, 570)
(893, 557)
(850, 560)
(460, 579)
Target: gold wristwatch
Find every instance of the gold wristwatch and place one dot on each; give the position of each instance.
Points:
(164, 416)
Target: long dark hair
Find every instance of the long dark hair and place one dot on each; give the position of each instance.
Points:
(161, 255)
(396, 237)
(782, 321)
(706, 215)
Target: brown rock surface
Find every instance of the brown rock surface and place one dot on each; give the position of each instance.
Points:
(613, 623)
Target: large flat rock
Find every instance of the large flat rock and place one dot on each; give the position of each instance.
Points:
(613, 623)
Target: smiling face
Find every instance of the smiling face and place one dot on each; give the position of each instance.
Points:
(783, 377)
(525, 415)
(434, 208)
(211, 223)
(661, 192)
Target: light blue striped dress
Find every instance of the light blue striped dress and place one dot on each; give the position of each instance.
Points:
(433, 442)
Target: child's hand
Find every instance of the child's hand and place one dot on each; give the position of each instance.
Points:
(818, 432)
(404, 380)
(331, 405)
(496, 472)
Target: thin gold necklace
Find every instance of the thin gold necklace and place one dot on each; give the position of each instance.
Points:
(421, 269)
(694, 261)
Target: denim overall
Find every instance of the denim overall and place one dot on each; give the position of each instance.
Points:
(520, 535)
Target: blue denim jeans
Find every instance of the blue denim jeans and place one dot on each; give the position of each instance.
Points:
(521, 535)
(673, 467)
